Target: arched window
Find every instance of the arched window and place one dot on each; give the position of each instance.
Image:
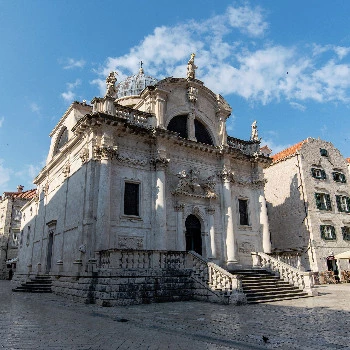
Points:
(179, 125)
(201, 133)
(62, 140)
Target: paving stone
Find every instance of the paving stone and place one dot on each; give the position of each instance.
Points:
(48, 321)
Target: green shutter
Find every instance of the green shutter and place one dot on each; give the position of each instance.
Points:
(313, 172)
(318, 200)
(333, 233)
(322, 228)
(343, 178)
(328, 202)
(337, 198)
(348, 204)
(323, 174)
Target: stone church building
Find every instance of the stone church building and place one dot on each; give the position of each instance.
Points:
(147, 169)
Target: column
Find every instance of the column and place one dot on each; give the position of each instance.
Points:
(180, 236)
(264, 221)
(160, 164)
(160, 106)
(212, 248)
(231, 245)
(104, 201)
(190, 126)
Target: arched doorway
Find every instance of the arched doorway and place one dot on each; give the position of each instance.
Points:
(193, 234)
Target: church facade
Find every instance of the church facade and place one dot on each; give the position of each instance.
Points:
(148, 167)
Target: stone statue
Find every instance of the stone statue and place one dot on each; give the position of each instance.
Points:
(254, 136)
(191, 68)
(110, 82)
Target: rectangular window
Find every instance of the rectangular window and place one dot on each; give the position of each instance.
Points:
(346, 233)
(243, 212)
(339, 177)
(328, 232)
(323, 201)
(318, 173)
(343, 203)
(132, 198)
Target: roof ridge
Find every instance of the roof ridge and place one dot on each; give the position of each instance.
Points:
(288, 152)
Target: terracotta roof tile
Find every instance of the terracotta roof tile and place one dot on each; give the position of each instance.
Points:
(21, 195)
(287, 152)
(347, 160)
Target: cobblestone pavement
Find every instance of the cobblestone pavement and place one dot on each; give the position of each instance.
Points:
(47, 321)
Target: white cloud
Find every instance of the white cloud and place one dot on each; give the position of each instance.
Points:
(254, 70)
(69, 95)
(34, 107)
(248, 20)
(273, 146)
(298, 106)
(2, 119)
(5, 174)
(71, 63)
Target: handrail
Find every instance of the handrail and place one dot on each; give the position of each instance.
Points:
(290, 274)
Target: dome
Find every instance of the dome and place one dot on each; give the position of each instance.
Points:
(133, 85)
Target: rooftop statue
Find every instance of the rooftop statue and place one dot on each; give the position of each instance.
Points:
(191, 68)
(110, 82)
(254, 136)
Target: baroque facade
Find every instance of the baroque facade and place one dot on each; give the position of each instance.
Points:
(147, 167)
(308, 199)
(11, 204)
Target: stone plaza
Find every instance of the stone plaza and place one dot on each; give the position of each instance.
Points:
(48, 321)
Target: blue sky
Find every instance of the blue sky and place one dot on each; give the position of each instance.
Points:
(285, 64)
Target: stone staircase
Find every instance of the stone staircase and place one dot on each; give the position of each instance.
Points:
(261, 286)
(38, 284)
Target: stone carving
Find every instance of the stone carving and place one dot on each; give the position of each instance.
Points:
(46, 189)
(132, 161)
(84, 155)
(254, 135)
(190, 184)
(82, 248)
(210, 210)
(179, 207)
(246, 248)
(226, 174)
(159, 162)
(191, 68)
(105, 152)
(192, 94)
(66, 170)
(110, 82)
(130, 243)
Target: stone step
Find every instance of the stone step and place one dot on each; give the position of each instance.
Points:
(258, 301)
(264, 294)
(38, 284)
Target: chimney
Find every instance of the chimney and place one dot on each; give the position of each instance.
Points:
(20, 188)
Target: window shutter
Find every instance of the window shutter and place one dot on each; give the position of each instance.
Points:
(318, 200)
(343, 178)
(343, 231)
(322, 229)
(337, 198)
(328, 202)
(323, 174)
(347, 204)
(333, 232)
(313, 172)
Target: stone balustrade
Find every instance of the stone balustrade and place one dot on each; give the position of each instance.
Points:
(218, 280)
(290, 274)
(213, 283)
(140, 259)
(246, 147)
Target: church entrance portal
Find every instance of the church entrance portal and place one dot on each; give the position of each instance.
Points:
(49, 253)
(193, 234)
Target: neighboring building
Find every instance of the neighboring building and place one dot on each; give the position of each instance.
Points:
(308, 199)
(147, 167)
(10, 223)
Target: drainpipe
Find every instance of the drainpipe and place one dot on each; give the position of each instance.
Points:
(306, 219)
